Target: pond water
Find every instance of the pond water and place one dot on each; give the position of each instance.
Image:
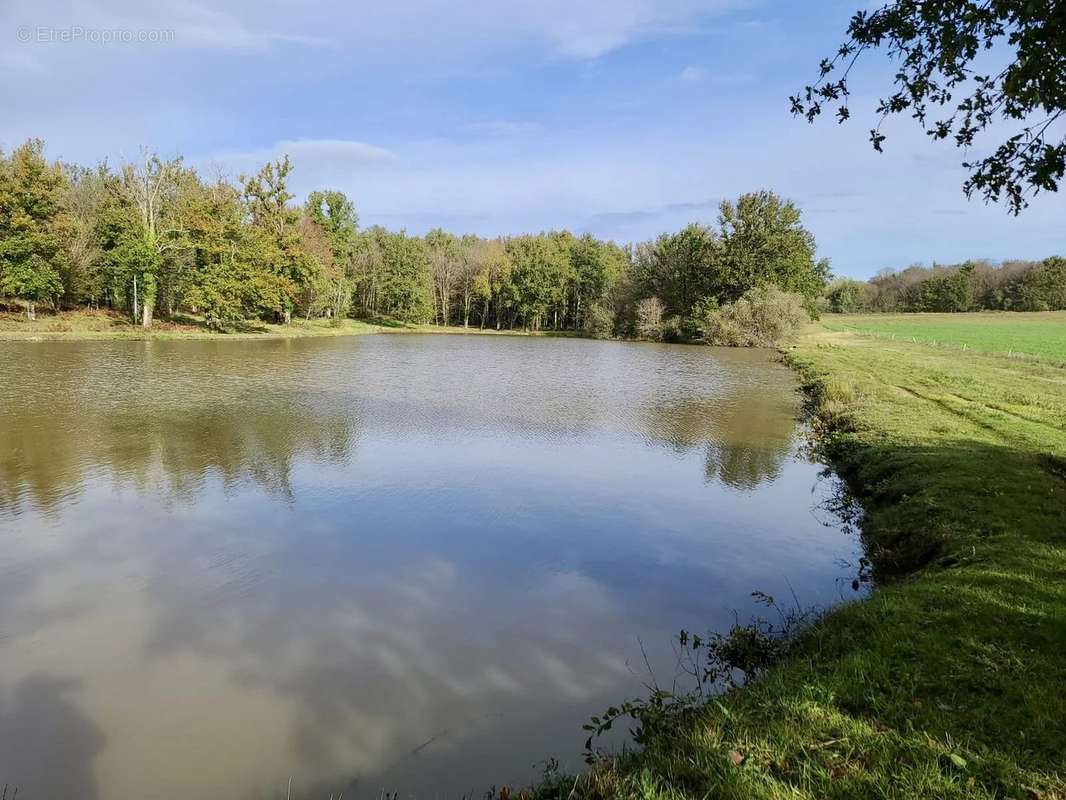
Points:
(411, 563)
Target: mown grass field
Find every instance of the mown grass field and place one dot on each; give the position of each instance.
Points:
(1037, 334)
(950, 681)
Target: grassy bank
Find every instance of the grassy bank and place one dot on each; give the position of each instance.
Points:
(85, 325)
(950, 681)
(1040, 335)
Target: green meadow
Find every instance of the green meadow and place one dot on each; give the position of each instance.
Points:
(1041, 334)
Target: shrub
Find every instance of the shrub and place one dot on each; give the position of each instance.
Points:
(1042, 288)
(763, 317)
(951, 291)
(599, 324)
(848, 296)
(650, 319)
(674, 329)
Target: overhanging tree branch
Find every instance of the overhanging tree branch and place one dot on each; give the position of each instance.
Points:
(939, 46)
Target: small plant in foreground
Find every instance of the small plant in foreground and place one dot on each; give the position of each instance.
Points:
(712, 664)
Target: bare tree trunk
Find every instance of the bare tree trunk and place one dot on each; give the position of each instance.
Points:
(31, 310)
(146, 319)
(445, 291)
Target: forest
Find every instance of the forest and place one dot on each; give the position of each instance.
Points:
(154, 239)
(970, 286)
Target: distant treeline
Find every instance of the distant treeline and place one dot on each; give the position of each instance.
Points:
(971, 286)
(155, 239)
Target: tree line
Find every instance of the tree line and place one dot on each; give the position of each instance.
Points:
(970, 286)
(156, 239)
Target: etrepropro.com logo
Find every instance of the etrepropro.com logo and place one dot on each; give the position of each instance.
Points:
(71, 34)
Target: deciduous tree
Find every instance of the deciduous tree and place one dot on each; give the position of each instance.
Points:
(34, 231)
(763, 243)
(150, 188)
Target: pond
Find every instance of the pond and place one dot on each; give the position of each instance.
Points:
(400, 562)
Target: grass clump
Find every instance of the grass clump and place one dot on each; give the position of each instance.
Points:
(949, 681)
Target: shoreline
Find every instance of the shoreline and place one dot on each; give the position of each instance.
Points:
(84, 326)
(945, 681)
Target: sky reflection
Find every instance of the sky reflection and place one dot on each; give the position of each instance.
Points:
(403, 562)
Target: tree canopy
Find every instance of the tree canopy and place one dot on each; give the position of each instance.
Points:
(153, 239)
(970, 286)
(33, 228)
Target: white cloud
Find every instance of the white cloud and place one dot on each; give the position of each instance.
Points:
(193, 25)
(578, 29)
(336, 151)
(693, 74)
(375, 32)
(317, 163)
(58, 27)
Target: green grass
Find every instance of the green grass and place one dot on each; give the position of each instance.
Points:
(950, 680)
(1039, 334)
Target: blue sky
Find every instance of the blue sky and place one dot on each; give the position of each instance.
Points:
(624, 118)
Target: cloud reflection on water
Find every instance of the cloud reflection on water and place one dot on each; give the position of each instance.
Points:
(406, 561)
